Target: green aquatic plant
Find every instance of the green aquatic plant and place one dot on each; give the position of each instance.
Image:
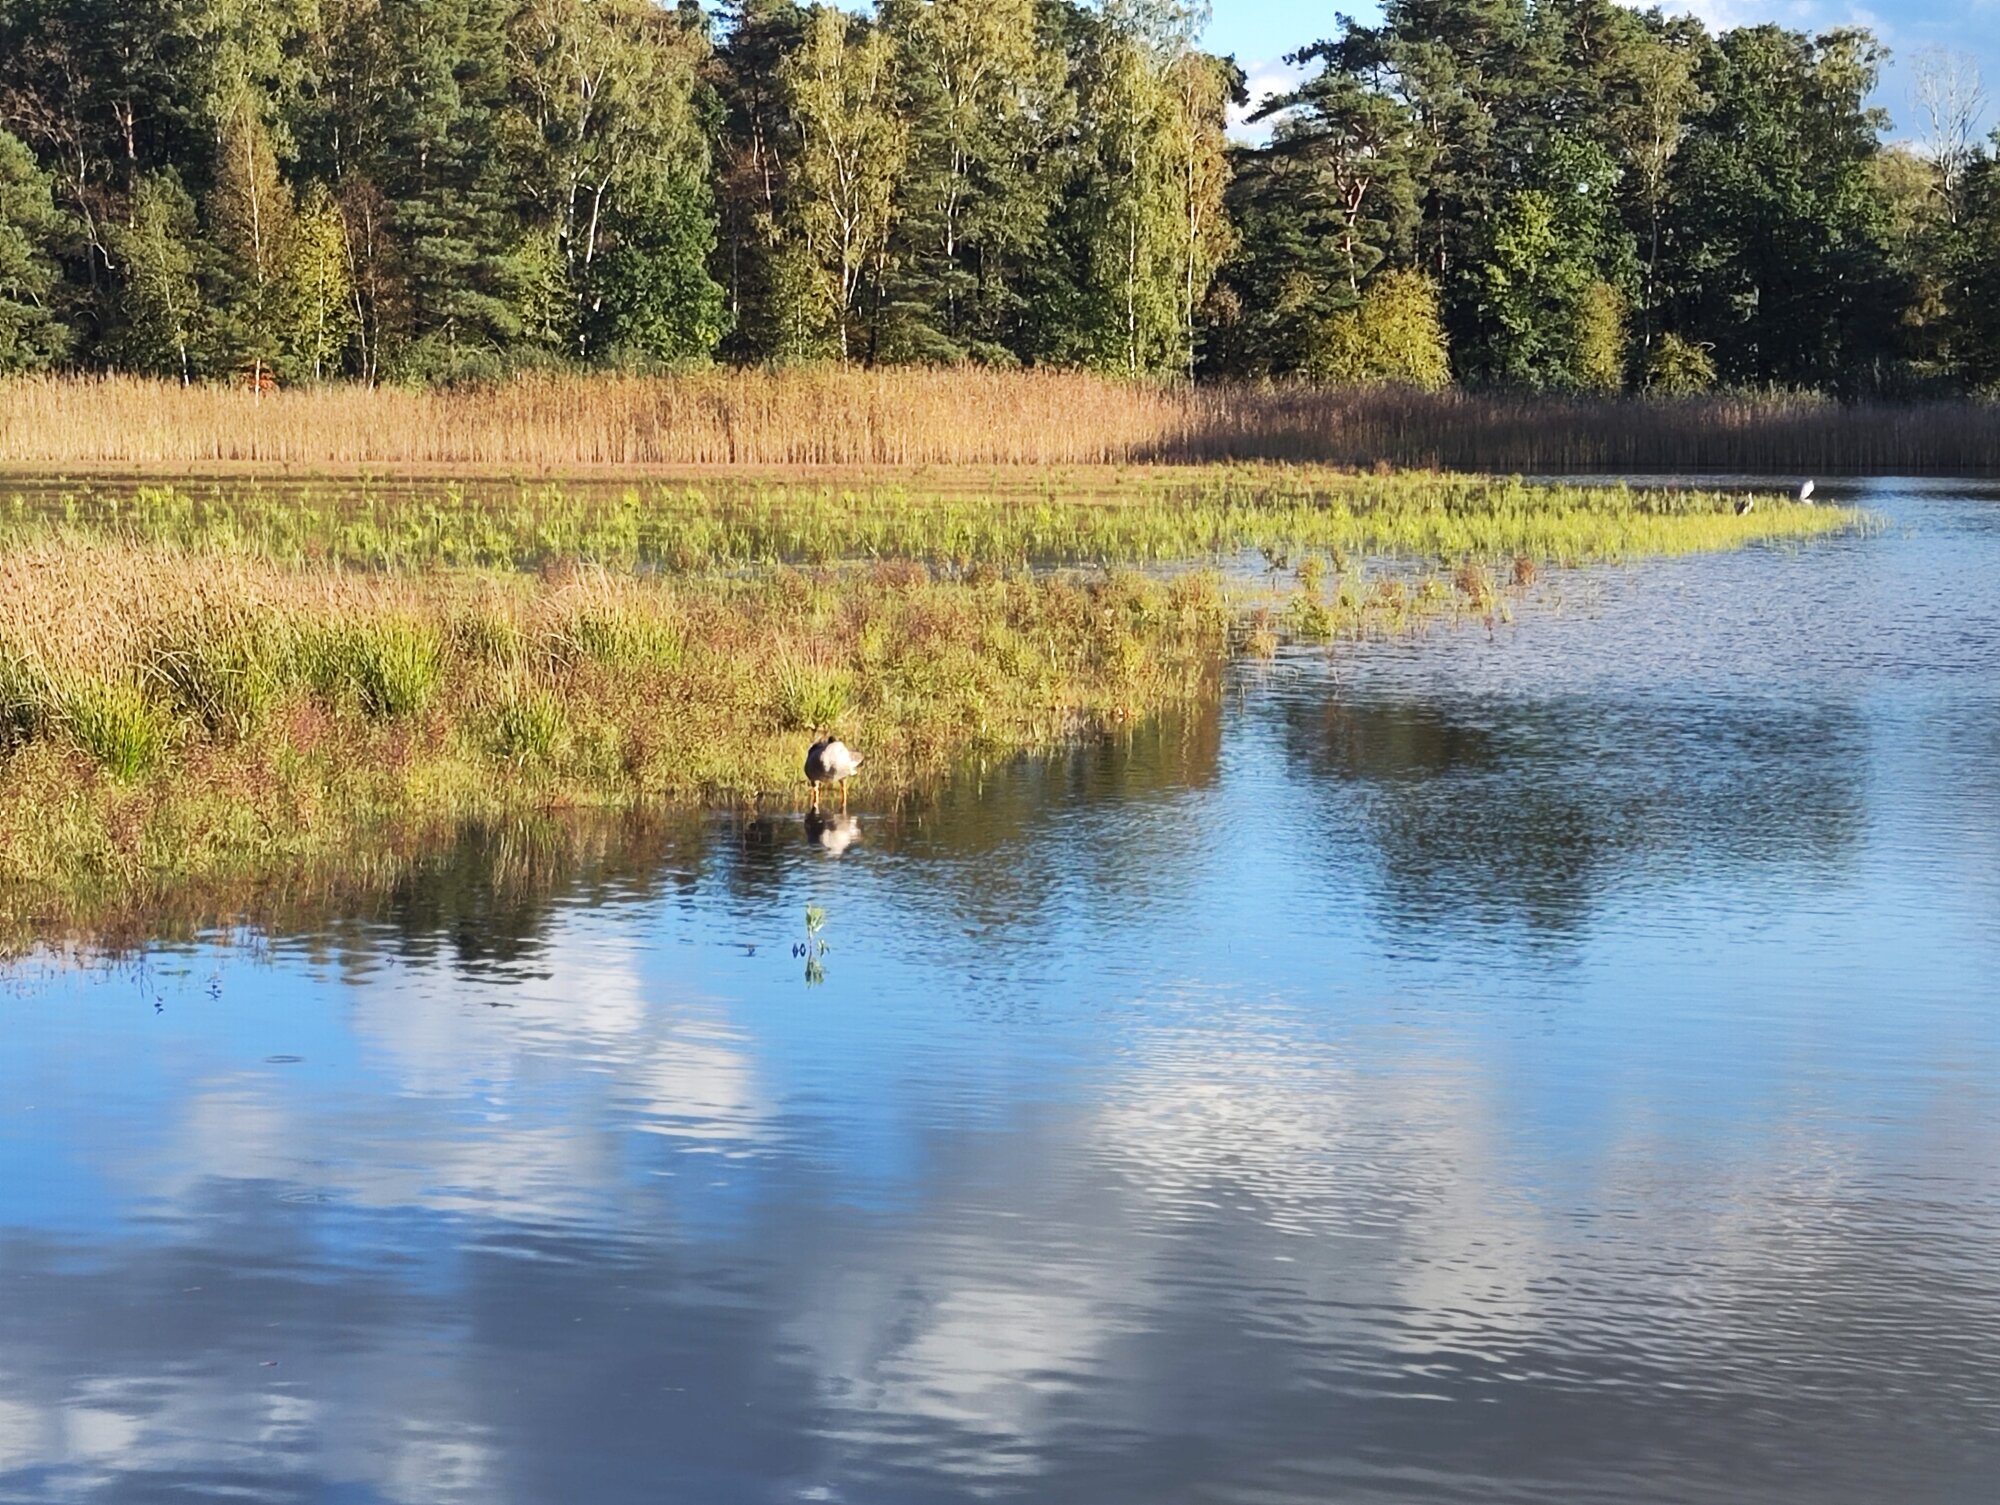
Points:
(1307, 618)
(734, 523)
(814, 947)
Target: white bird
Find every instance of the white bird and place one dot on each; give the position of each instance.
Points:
(1805, 493)
(1743, 507)
(828, 761)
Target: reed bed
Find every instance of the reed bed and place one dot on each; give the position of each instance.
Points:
(912, 417)
(1205, 514)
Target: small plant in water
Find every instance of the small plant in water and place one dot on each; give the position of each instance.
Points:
(1309, 619)
(812, 948)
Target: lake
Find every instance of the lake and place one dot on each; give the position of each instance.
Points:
(1559, 1063)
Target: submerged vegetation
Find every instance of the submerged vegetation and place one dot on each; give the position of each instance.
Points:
(213, 688)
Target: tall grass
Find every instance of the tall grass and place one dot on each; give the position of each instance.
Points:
(969, 416)
(385, 700)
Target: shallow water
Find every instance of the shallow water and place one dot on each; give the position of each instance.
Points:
(1559, 1065)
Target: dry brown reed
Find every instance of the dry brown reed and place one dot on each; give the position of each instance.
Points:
(775, 419)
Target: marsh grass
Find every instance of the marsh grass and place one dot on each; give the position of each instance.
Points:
(530, 726)
(952, 524)
(811, 697)
(115, 724)
(389, 666)
(383, 700)
(910, 417)
(209, 691)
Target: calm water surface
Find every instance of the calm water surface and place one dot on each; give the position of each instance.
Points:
(1555, 1066)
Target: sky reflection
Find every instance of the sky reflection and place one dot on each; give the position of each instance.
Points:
(1558, 1066)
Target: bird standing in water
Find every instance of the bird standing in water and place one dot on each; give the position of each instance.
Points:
(828, 761)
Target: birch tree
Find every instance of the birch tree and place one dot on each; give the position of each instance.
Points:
(852, 143)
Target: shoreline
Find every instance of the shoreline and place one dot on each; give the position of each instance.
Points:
(208, 700)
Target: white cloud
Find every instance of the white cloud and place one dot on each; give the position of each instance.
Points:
(1262, 79)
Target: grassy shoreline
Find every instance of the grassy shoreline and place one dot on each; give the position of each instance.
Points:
(199, 693)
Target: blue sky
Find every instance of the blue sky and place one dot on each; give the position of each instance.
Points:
(1261, 32)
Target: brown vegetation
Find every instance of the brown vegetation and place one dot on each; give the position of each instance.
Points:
(831, 417)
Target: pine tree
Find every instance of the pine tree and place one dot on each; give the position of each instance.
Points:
(753, 181)
(985, 92)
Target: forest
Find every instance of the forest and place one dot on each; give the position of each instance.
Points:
(1524, 195)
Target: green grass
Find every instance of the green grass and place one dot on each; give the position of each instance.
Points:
(115, 725)
(998, 521)
(205, 691)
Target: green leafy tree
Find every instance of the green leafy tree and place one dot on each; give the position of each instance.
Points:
(317, 311)
(1778, 243)
(1394, 335)
(851, 145)
(250, 215)
(1597, 340)
(1547, 310)
(1666, 103)
(163, 320)
(608, 120)
(652, 298)
(1679, 368)
(1198, 95)
(1146, 216)
(1975, 271)
(32, 232)
(436, 189)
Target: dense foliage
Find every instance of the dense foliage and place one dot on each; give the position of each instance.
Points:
(1545, 194)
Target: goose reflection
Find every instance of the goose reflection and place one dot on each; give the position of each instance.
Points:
(832, 833)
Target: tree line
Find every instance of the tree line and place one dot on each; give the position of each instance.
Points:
(1543, 194)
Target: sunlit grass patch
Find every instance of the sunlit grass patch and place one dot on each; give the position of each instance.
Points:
(1320, 519)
